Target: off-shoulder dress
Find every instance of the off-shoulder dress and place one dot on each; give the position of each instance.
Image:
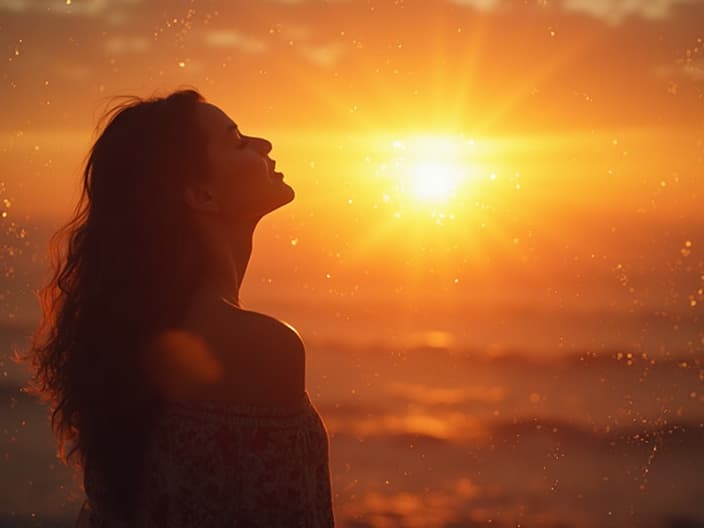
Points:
(216, 464)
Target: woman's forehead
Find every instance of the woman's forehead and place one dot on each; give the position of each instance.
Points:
(214, 121)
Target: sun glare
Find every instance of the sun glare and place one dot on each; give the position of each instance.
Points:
(435, 181)
(429, 170)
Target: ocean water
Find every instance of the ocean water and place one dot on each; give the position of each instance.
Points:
(452, 437)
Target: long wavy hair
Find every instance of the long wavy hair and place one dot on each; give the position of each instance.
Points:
(125, 268)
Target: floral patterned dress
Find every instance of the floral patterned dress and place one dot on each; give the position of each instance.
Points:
(231, 465)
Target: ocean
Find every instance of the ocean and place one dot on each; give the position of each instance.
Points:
(452, 437)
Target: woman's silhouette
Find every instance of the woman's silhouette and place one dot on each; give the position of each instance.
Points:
(179, 407)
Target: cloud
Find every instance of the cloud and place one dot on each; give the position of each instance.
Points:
(230, 38)
(65, 7)
(482, 5)
(299, 35)
(611, 11)
(293, 32)
(614, 11)
(16, 6)
(71, 71)
(322, 55)
(692, 70)
(121, 44)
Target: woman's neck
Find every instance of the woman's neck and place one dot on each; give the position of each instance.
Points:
(231, 247)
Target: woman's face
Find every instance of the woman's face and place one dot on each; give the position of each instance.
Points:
(243, 183)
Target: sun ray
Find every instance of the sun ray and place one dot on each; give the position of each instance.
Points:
(549, 67)
(471, 52)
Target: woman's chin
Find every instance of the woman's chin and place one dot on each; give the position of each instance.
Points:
(283, 197)
(286, 195)
(291, 192)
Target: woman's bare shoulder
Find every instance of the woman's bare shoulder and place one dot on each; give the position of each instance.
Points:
(263, 358)
(227, 323)
(276, 331)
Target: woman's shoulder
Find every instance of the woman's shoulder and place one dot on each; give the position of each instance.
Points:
(262, 358)
(268, 325)
(273, 352)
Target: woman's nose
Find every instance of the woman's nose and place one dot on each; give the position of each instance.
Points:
(263, 146)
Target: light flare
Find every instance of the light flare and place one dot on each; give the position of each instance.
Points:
(435, 181)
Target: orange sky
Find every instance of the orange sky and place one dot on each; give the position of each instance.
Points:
(476, 178)
(577, 126)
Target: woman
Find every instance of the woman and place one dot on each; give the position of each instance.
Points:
(181, 408)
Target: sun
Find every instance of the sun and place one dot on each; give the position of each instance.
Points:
(435, 181)
(428, 172)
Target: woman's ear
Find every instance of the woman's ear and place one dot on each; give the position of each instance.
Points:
(199, 198)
